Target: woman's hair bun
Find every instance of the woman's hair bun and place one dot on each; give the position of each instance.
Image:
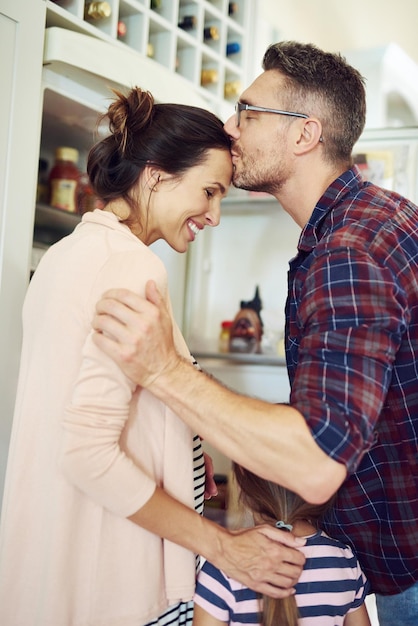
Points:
(128, 115)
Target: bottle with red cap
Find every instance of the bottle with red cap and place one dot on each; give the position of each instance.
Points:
(64, 179)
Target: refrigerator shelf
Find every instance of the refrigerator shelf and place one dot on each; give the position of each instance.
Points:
(240, 358)
(52, 224)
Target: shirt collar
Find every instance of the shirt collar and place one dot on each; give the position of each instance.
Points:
(341, 187)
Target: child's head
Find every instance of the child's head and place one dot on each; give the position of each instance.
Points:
(270, 503)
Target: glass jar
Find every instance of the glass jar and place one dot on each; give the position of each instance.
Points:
(63, 180)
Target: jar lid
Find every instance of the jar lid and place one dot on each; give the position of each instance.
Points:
(63, 153)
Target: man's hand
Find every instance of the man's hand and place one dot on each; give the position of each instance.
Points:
(136, 332)
(264, 559)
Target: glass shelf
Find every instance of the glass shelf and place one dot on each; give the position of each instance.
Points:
(240, 358)
(52, 224)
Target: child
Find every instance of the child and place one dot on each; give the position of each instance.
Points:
(331, 590)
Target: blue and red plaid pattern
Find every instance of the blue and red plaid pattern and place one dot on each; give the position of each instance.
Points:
(352, 356)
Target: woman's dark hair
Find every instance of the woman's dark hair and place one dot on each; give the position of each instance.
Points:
(272, 503)
(323, 84)
(173, 137)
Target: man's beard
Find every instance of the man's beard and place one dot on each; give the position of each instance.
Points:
(252, 178)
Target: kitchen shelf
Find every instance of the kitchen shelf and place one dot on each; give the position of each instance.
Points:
(212, 39)
(52, 224)
(252, 247)
(240, 358)
(239, 201)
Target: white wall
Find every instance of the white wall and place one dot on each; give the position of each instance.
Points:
(379, 40)
(338, 26)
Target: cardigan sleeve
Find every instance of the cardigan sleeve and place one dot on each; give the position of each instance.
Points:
(103, 397)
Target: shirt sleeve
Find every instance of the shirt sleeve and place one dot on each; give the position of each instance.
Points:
(363, 589)
(91, 456)
(350, 321)
(213, 593)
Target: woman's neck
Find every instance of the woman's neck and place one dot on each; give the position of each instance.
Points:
(120, 208)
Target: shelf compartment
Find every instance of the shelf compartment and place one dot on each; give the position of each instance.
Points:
(163, 44)
(107, 25)
(212, 72)
(190, 13)
(167, 10)
(136, 22)
(239, 16)
(70, 6)
(212, 33)
(234, 45)
(188, 60)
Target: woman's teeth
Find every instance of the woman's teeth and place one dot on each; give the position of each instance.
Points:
(193, 227)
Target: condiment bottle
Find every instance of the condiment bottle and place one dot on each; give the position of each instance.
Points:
(208, 76)
(63, 180)
(233, 47)
(232, 88)
(224, 336)
(87, 199)
(97, 10)
(188, 22)
(122, 29)
(210, 32)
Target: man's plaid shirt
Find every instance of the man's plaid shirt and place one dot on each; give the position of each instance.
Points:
(352, 356)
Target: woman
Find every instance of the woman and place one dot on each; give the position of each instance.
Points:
(99, 519)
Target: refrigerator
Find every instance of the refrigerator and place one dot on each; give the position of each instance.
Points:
(57, 78)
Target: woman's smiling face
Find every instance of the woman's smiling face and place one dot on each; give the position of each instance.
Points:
(180, 207)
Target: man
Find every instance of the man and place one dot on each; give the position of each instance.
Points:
(351, 325)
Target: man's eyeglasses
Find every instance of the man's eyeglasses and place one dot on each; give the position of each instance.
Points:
(240, 106)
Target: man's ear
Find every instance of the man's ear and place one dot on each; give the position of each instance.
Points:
(310, 136)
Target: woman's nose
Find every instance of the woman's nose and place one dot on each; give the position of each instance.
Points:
(213, 216)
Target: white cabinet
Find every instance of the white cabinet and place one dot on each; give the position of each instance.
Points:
(206, 43)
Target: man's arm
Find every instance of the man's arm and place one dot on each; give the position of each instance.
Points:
(273, 441)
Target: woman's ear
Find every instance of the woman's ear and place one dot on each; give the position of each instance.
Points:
(152, 176)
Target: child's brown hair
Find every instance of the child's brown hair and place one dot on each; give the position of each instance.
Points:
(272, 503)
